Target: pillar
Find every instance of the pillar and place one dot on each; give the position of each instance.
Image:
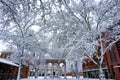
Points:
(52, 71)
(45, 71)
(65, 71)
(58, 70)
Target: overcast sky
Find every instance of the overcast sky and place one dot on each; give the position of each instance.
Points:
(2, 46)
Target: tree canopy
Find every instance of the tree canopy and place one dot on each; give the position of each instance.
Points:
(67, 29)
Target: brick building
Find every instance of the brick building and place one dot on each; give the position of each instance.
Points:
(91, 70)
(51, 68)
(5, 54)
(8, 69)
(113, 60)
(110, 66)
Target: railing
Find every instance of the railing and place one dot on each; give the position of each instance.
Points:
(7, 76)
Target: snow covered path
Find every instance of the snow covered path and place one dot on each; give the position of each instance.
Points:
(58, 79)
(62, 79)
(68, 78)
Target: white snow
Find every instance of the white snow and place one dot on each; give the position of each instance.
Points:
(5, 61)
(116, 67)
(68, 78)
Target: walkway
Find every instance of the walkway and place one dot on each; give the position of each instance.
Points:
(68, 78)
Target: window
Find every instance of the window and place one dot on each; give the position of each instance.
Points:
(113, 55)
(119, 67)
(97, 74)
(92, 74)
(118, 46)
(85, 75)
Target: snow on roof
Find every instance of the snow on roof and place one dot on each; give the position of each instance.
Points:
(94, 69)
(116, 66)
(5, 61)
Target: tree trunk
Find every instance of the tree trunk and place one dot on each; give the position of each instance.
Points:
(65, 72)
(36, 73)
(19, 71)
(76, 69)
(101, 74)
(45, 75)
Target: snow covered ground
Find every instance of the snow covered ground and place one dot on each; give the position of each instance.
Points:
(68, 78)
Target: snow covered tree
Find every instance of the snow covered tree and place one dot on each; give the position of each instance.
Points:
(97, 16)
(73, 28)
(19, 17)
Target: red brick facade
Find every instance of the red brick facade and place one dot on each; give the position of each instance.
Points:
(113, 58)
(6, 69)
(111, 64)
